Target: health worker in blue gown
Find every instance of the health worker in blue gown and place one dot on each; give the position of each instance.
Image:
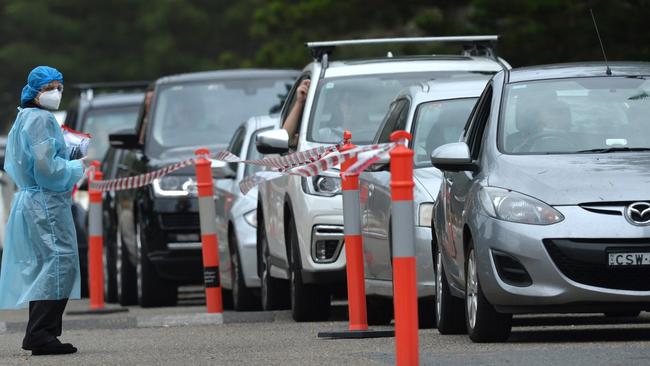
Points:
(40, 263)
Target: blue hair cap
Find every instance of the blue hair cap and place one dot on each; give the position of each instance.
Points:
(39, 77)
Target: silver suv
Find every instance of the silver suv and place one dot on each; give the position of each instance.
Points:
(300, 220)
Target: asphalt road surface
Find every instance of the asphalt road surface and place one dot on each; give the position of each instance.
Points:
(258, 338)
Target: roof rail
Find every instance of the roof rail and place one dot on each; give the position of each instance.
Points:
(472, 46)
(318, 49)
(87, 89)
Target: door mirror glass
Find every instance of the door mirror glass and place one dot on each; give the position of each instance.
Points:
(124, 140)
(273, 142)
(454, 157)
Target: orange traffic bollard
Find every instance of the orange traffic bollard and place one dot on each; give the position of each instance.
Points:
(357, 312)
(95, 243)
(405, 296)
(207, 215)
(96, 250)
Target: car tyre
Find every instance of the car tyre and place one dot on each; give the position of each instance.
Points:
(125, 279)
(379, 310)
(623, 314)
(274, 292)
(427, 313)
(309, 302)
(152, 291)
(484, 323)
(450, 315)
(110, 272)
(242, 296)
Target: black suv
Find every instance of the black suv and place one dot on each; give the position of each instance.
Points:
(99, 115)
(158, 244)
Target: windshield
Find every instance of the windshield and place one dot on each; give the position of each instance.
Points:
(596, 114)
(102, 122)
(209, 113)
(358, 104)
(438, 123)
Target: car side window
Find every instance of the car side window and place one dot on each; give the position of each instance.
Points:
(395, 120)
(291, 97)
(236, 145)
(480, 119)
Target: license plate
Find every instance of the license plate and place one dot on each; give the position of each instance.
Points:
(629, 259)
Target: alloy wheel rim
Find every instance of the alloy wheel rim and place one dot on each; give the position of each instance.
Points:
(235, 276)
(472, 290)
(118, 263)
(138, 266)
(438, 284)
(265, 275)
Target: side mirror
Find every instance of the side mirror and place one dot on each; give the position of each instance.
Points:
(273, 142)
(380, 165)
(124, 140)
(454, 157)
(222, 170)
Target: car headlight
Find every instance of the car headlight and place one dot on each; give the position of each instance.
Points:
(174, 186)
(425, 214)
(326, 184)
(251, 218)
(511, 206)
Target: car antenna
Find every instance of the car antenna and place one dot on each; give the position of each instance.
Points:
(608, 71)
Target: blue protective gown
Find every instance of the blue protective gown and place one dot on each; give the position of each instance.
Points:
(40, 259)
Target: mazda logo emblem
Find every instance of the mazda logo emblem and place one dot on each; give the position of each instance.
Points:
(638, 213)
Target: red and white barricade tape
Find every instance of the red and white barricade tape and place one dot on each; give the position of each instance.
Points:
(281, 163)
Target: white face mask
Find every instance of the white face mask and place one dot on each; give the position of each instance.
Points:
(50, 99)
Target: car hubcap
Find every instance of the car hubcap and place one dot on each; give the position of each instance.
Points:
(438, 284)
(472, 290)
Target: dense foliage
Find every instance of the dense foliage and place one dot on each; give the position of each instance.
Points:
(138, 39)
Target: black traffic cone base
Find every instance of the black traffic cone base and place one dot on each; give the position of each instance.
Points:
(101, 311)
(357, 334)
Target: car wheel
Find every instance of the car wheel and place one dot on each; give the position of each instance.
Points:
(274, 291)
(152, 291)
(110, 275)
(450, 315)
(242, 296)
(379, 310)
(309, 302)
(426, 313)
(484, 323)
(623, 314)
(125, 281)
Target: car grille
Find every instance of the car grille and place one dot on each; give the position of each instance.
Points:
(585, 261)
(180, 220)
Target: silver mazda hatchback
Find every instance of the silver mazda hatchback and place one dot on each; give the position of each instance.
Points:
(545, 204)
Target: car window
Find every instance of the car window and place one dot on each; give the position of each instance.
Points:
(291, 98)
(71, 116)
(574, 115)
(100, 123)
(254, 154)
(236, 143)
(391, 120)
(437, 123)
(208, 112)
(357, 103)
(477, 127)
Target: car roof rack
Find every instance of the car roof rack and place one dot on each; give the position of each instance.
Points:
(87, 89)
(472, 45)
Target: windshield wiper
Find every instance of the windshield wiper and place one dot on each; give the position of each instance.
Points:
(613, 149)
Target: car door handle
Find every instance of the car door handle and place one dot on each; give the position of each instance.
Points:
(449, 181)
(122, 167)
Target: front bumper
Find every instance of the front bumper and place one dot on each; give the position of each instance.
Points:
(173, 238)
(553, 287)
